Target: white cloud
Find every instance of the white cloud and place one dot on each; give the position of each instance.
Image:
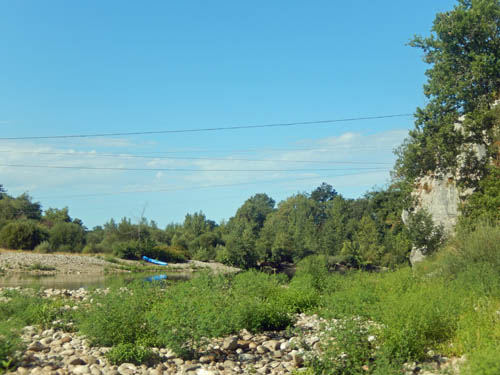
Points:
(332, 159)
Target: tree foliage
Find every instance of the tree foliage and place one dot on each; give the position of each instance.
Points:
(464, 79)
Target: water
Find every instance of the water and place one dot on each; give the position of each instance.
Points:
(73, 281)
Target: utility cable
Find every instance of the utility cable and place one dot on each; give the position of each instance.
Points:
(177, 169)
(135, 156)
(121, 134)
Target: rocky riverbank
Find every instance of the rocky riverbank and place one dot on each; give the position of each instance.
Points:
(60, 351)
(26, 262)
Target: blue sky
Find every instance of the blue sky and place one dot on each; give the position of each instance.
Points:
(121, 66)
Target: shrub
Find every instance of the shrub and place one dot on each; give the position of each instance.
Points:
(347, 349)
(165, 253)
(129, 353)
(67, 237)
(119, 317)
(419, 319)
(208, 306)
(423, 233)
(23, 234)
(10, 343)
(316, 267)
(43, 248)
(127, 250)
(191, 312)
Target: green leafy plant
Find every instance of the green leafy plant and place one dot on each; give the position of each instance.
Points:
(130, 353)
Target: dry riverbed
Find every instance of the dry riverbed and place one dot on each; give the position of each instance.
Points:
(26, 262)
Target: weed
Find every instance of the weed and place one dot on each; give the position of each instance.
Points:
(40, 267)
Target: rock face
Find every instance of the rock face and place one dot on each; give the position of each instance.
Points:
(439, 194)
(441, 197)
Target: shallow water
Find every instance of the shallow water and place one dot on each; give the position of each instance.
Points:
(84, 281)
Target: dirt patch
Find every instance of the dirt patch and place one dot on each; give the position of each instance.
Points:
(52, 264)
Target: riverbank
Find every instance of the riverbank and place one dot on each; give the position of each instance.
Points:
(27, 262)
(57, 349)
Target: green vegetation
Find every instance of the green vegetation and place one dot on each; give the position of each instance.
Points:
(448, 304)
(375, 322)
(20, 309)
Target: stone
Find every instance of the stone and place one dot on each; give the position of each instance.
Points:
(262, 349)
(95, 370)
(298, 359)
(67, 352)
(230, 343)
(126, 369)
(245, 357)
(207, 359)
(75, 361)
(277, 354)
(191, 367)
(272, 344)
(65, 339)
(244, 344)
(37, 346)
(285, 346)
(205, 372)
(81, 370)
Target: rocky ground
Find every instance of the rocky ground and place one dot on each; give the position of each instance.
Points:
(12, 262)
(61, 352)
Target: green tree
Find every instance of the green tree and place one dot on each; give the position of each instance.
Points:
(464, 79)
(53, 216)
(65, 236)
(22, 234)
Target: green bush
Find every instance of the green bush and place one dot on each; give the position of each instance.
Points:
(347, 349)
(119, 317)
(191, 312)
(419, 319)
(127, 250)
(316, 267)
(22, 234)
(129, 353)
(68, 237)
(10, 343)
(208, 306)
(43, 248)
(165, 253)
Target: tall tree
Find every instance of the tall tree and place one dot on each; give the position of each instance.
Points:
(464, 79)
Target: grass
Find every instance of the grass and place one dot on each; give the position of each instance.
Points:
(449, 305)
(40, 267)
(22, 309)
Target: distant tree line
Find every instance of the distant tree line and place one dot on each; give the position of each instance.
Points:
(359, 232)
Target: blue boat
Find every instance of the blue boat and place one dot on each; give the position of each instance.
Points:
(154, 261)
(156, 278)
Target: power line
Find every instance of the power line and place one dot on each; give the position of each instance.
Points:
(177, 169)
(135, 156)
(208, 186)
(318, 122)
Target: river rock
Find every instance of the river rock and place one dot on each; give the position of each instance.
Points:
(126, 369)
(37, 346)
(230, 343)
(81, 370)
(272, 344)
(75, 361)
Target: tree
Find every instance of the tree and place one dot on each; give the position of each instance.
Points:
(464, 79)
(65, 236)
(323, 193)
(22, 234)
(53, 216)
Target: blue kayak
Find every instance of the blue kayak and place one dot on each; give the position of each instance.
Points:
(154, 261)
